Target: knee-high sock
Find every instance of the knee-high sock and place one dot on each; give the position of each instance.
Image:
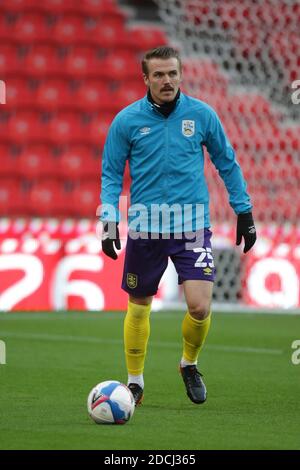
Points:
(194, 333)
(136, 335)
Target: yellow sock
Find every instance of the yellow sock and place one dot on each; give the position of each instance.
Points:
(194, 333)
(136, 335)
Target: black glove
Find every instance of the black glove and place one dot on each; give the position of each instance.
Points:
(110, 239)
(245, 228)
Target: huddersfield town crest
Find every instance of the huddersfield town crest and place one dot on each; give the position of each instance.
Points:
(188, 128)
(131, 280)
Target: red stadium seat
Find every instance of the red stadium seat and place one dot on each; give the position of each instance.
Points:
(144, 38)
(120, 65)
(57, 7)
(10, 63)
(65, 128)
(82, 62)
(43, 61)
(5, 28)
(26, 126)
(54, 7)
(20, 6)
(98, 128)
(110, 34)
(129, 93)
(77, 163)
(8, 162)
(18, 94)
(4, 125)
(94, 95)
(54, 94)
(96, 7)
(69, 29)
(12, 199)
(37, 161)
(47, 198)
(85, 199)
(31, 28)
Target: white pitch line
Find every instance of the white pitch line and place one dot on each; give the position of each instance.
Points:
(159, 344)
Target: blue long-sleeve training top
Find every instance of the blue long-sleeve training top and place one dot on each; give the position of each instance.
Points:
(166, 160)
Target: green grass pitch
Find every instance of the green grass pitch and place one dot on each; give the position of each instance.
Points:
(54, 359)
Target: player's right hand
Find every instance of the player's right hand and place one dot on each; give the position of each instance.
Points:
(111, 239)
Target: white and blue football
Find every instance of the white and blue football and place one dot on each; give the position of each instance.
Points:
(110, 402)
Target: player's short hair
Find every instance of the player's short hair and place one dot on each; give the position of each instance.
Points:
(161, 52)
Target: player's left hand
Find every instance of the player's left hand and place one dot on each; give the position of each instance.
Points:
(111, 239)
(245, 228)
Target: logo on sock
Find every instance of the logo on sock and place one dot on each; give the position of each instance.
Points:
(135, 351)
